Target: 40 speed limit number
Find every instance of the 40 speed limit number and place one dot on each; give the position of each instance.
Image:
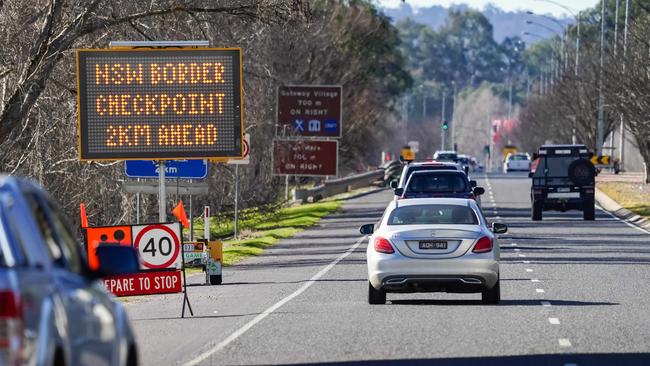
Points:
(158, 245)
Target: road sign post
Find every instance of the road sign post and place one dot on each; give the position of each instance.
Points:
(237, 162)
(162, 193)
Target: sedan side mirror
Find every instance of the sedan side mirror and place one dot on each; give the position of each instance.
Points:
(499, 228)
(479, 191)
(399, 191)
(530, 174)
(116, 260)
(473, 183)
(393, 184)
(367, 229)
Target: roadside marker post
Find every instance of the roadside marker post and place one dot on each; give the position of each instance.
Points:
(206, 223)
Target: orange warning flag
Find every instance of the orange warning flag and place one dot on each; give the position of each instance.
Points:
(84, 217)
(179, 212)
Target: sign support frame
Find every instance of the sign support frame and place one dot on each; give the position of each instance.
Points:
(185, 298)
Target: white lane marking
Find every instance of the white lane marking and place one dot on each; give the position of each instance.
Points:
(517, 249)
(527, 262)
(522, 255)
(238, 333)
(514, 244)
(564, 342)
(624, 221)
(529, 270)
(497, 217)
(554, 321)
(534, 280)
(539, 290)
(546, 303)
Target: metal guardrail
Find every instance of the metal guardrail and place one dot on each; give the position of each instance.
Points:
(384, 174)
(338, 186)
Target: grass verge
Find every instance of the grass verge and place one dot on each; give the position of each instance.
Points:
(260, 230)
(632, 196)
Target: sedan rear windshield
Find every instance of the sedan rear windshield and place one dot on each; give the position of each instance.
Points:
(447, 157)
(437, 183)
(433, 215)
(518, 157)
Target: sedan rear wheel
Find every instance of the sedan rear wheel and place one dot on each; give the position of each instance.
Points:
(492, 296)
(376, 297)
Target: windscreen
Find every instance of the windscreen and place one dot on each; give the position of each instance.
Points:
(433, 215)
(518, 157)
(558, 166)
(437, 183)
(447, 157)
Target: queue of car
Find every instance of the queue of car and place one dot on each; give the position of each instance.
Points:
(433, 237)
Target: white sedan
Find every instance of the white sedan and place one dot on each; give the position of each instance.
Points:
(433, 245)
(516, 162)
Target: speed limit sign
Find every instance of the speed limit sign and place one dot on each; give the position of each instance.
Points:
(158, 245)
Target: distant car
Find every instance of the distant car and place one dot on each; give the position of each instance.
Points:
(563, 178)
(465, 162)
(516, 162)
(439, 183)
(433, 245)
(53, 309)
(446, 155)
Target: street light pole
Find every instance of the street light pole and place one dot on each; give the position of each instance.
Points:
(621, 136)
(601, 97)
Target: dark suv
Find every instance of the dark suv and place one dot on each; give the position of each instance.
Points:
(563, 178)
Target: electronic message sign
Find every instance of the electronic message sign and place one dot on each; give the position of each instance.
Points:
(159, 104)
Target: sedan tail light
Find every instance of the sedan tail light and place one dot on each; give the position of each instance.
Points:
(11, 327)
(483, 245)
(383, 246)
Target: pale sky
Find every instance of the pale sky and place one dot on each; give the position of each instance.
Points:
(538, 6)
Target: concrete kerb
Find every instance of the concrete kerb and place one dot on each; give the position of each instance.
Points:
(615, 209)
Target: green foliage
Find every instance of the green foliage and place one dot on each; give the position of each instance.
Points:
(270, 228)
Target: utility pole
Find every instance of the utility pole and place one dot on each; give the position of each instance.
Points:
(509, 98)
(443, 133)
(601, 96)
(452, 129)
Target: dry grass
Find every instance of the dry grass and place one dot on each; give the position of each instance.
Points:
(632, 196)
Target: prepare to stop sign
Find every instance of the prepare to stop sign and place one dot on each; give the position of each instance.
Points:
(158, 245)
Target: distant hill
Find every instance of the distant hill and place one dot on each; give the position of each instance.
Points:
(506, 24)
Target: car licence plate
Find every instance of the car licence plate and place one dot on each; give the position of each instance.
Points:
(433, 245)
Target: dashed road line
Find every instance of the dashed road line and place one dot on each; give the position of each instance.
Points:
(238, 333)
(554, 321)
(534, 280)
(529, 269)
(546, 303)
(564, 342)
(539, 290)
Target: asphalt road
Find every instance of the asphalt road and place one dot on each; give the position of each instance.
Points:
(573, 292)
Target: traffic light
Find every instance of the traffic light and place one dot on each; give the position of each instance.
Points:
(445, 125)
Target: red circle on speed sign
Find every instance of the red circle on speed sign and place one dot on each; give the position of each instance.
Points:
(247, 149)
(169, 233)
